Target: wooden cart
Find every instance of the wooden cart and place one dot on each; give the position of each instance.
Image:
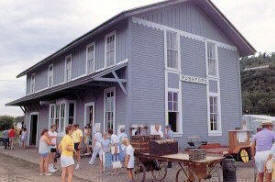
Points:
(189, 171)
(239, 146)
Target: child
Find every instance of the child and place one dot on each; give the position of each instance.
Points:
(23, 137)
(129, 158)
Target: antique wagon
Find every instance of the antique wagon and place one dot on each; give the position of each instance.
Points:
(153, 155)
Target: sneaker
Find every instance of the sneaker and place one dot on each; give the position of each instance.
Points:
(77, 167)
(48, 174)
(41, 174)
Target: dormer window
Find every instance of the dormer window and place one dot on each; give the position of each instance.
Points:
(50, 76)
(110, 49)
(68, 68)
(32, 83)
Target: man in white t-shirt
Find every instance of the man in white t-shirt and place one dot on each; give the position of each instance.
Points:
(129, 158)
(53, 135)
(157, 131)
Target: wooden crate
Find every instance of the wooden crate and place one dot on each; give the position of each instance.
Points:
(163, 147)
(141, 143)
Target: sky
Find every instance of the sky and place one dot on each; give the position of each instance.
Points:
(30, 30)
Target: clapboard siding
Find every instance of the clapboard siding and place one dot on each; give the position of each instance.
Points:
(41, 79)
(230, 89)
(79, 57)
(187, 17)
(193, 57)
(147, 76)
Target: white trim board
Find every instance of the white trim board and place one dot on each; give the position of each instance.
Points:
(104, 98)
(85, 112)
(37, 127)
(182, 33)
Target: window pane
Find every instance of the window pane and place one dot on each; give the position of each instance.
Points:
(173, 121)
(110, 50)
(172, 50)
(175, 97)
(175, 106)
(170, 97)
(170, 106)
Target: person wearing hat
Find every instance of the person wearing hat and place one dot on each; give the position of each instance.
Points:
(262, 143)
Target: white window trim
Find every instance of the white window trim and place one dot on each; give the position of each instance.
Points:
(61, 133)
(217, 76)
(217, 132)
(52, 74)
(114, 119)
(105, 48)
(54, 117)
(85, 112)
(68, 102)
(208, 93)
(65, 76)
(32, 85)
(166, 50)
(87, 47)
(167, 89)
(37, 127)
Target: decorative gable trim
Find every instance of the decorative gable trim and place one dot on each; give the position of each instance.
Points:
(181, 32)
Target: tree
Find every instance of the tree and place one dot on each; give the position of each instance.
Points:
(6, 122)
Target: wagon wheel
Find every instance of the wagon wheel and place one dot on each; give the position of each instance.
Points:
(244, 155)
(160, 172)
(139, 172)
(183, 176)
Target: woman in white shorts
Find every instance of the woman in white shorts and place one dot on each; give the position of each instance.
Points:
(66, 147)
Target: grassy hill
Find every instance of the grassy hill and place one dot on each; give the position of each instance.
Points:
(258, 84)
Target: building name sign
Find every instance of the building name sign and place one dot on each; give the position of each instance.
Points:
(193, 79)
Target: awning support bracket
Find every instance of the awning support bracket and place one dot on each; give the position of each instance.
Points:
(120, 83)
(23, 109)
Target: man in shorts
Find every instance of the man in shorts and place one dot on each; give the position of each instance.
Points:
(52, 161)
(77, 139)
(262, 142)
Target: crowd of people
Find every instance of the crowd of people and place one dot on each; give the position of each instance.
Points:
(113, 150)
(11, 136)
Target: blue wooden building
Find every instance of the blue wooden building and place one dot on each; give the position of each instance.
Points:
(174, 62)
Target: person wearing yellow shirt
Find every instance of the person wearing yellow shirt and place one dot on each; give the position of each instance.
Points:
(77, 138)
(66, 147)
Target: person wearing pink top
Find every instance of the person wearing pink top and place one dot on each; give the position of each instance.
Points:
(262, 142)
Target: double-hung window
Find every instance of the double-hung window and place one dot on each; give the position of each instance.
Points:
(68, 68)
(50, 76)
(172, 49)
(90, 58)
(52, 115)
(173, 111)
(32, 86)
(212, 59)
(109, 104)
(214, 112)
(110, 49)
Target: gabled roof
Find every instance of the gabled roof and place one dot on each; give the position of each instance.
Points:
(210, 9)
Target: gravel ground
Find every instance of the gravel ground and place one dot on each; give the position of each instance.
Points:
(14, 170)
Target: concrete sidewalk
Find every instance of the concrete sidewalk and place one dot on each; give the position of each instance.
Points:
(86, 172)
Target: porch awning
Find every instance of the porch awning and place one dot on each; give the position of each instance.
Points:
(96, 79)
